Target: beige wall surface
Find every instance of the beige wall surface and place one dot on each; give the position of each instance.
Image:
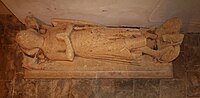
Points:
(134, 13)
(3, 9)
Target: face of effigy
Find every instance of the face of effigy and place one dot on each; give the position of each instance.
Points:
(29, 39)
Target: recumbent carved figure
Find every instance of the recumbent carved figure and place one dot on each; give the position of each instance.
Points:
(67, 39)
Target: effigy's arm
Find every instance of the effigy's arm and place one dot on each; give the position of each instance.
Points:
(31, 51)
(58, 22)
(69, 53)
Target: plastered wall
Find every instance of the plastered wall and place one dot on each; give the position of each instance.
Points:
(134, 13)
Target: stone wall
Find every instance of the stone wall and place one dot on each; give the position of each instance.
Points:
(9, 59)
(185, 84)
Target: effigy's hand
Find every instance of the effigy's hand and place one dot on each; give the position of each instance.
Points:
(61, 36)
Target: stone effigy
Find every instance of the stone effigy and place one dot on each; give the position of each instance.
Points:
(79, 43)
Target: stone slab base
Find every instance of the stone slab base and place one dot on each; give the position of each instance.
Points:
(87, 68)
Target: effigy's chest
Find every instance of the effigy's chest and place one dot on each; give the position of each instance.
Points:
(102, 42)
(53, 44)
(101, 37)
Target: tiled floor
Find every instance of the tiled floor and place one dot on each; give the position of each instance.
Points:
(185, 84)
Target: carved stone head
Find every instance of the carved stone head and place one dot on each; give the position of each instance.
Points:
(29, 39)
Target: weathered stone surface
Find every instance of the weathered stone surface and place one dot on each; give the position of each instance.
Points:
(7, 58)
(124, 94)
(179, 70)
(16, 88)
(191, 39)
(4, 89)
(193, 91)
(193, 78)
(83, 88)
(30, 88)
(123, 84)
(53, 89)
(170, 88)
(18, 57)
(44, 89)
(147, 88)
(123, 88)
(192, 97)
(192, 58)
(193, 84)
(106, 88)
(9, 26)
(191, 51)
(3, 75)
